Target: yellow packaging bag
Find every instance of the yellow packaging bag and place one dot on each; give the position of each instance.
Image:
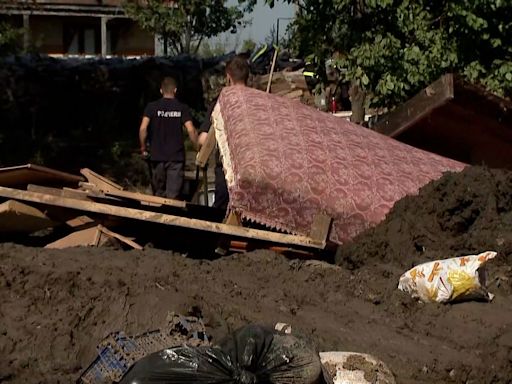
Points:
(446, 280)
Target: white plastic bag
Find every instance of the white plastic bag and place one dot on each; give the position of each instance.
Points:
(445, 280)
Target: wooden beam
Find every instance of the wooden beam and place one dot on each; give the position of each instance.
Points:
(147, 199)
(320, 228)
(73, 193)
(401, 118)
(153, 217)
(207, 149)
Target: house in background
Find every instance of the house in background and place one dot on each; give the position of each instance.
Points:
(80, 27)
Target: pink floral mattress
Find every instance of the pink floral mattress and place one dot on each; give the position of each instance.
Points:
(286, 162)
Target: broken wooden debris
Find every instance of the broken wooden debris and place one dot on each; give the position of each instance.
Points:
(320, 228)
(286, 83)
(16, 217)
(166, 219)
(21, 175)
(101, 182)
(98, 185)
(93, 237)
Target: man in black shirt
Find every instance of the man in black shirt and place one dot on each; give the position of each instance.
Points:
(237, 73)
(162, 126)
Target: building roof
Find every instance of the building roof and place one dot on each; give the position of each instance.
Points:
(66, 7)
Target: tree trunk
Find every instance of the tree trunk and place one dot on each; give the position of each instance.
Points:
(357, 98)
(188, 40)
(166, 44)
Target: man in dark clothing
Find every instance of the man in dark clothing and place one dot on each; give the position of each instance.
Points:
(162, 126)
(237, 74)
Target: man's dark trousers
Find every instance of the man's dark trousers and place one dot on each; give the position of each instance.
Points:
(221, 188)
(167, 178)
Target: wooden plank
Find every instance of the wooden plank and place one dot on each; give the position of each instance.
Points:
(16, 217)
(85, 237)
(234, 219)
(81, 221)
(207, 149)
(91, 237)
(401, 118)
(22, 175)
(144, 199)
(154, 217)
(119, 237)
(148, 199)
(73, 193)
(100, 181)
(320, 228)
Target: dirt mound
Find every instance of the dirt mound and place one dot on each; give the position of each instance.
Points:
(56, 306)
(461, 213)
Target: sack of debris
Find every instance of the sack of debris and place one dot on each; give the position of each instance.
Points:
(251, 355)
(459, 278)
(355, 368)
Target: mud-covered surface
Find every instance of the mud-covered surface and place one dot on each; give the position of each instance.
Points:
(459, 214)
(56, 306)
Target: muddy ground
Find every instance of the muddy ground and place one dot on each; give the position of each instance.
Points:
(57, 305)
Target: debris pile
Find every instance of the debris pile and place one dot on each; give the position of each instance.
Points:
(117, 353)
(85, 209)
(286, 83)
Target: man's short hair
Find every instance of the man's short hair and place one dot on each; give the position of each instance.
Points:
(238, 69)
(168, 85)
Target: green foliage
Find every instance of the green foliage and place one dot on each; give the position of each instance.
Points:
(393, 48)
(10, 39)
(248, 45)
(183, 25)
(212, 49)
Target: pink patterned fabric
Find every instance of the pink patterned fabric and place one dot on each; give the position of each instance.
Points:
(289, 162)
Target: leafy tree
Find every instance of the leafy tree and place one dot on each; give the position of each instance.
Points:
(213, 49)
(390, 49)
(10, 39)
(248, 45)
(184, 24)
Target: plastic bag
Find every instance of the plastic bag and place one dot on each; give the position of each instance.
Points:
(448, 280)
(251, 355)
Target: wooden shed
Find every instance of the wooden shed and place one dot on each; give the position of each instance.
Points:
(455, 119)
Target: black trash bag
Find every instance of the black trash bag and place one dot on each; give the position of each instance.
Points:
(251, 355)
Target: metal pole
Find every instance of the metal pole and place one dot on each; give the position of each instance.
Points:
(26, 31)
(104, 36)
(277, 33)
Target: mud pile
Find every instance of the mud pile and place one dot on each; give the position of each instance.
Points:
(57, 305)
(459, 214)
